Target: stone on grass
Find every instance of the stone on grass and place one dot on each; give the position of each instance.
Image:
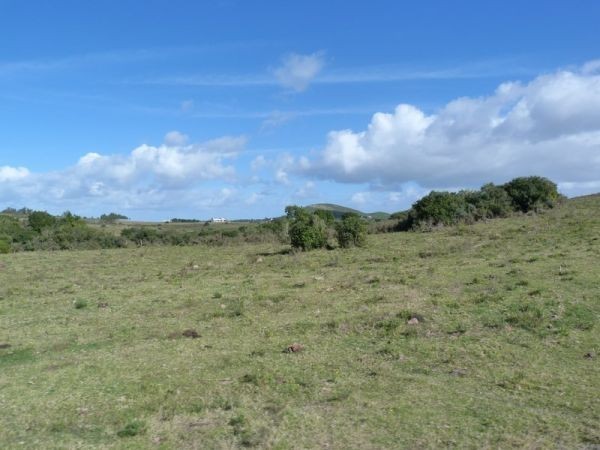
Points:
(191, 334)
(294, 348)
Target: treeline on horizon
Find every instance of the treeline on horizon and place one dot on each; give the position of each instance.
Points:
(520, 195)
(28, 230)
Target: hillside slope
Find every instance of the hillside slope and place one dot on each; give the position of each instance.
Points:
(482, 336)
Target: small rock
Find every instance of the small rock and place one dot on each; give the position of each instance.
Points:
(259, 260)
(4, 346)
(191, 334)
(413, 321)
(294, 348)
(103, 305)
(589, 355)
(318, 278)
(195, 267)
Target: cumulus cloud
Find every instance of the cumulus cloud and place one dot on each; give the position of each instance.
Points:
(149, 175)
(8, 173)
(297, 71)
(549, 126)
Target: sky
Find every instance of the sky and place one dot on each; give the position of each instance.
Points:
(231, 108)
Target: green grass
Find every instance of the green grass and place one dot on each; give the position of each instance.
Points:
(507, 312)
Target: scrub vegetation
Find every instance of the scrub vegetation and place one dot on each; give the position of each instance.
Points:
(305, 228)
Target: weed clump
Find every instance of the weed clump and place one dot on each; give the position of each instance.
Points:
(80, 304)
(132, 429)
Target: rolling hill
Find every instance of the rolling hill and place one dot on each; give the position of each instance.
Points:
(338, 211)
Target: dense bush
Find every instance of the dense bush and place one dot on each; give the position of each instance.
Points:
(326, 215)
(112, 217)
(279, 228)
(307, 230)
(532, 193)
(441, 208)
(351, 231)
(491, 201)
(38, 220)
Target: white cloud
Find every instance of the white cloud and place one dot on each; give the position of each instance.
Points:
(175, 138)
(297, 71)
(550, 126)
(9, 174)
(283, 165)
(148, 176)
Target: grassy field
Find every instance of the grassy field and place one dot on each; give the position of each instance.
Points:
(504, 354)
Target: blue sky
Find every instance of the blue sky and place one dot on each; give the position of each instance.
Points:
(162, 109)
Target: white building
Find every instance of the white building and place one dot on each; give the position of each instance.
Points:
(218, 220)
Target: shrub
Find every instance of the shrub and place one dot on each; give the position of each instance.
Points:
(327, 216)
(532, 193)
(489, 202)
(441, 208)
(113, 217)
(38, 220)
(140, 235)
(351, 231)
(277, 227)
(4, 246)
(405, 220)
(307, 230)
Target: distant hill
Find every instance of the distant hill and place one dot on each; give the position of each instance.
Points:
(338, 211)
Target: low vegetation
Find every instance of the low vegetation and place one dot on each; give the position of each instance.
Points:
(482, 335)
(308, 228)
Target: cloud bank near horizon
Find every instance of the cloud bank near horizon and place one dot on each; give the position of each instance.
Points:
(149, 176)
(549, 126)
